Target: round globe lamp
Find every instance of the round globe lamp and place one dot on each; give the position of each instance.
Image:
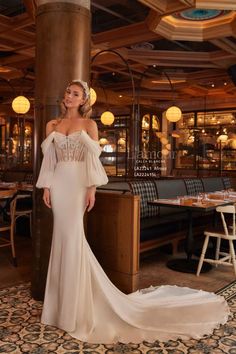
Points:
(107, 118)
(121, 141)
(21, 105)
(103, 141)
(223, 137)
(173, 114)
(92, 95)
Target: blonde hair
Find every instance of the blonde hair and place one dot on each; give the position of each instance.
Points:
(85, 110)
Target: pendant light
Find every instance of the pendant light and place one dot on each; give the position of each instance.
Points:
(107, 118)
(21, 105)
(173, 113)
(223, 137)
(92, 95)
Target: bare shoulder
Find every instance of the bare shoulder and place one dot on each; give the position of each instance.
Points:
(51, 125)
(92, 128)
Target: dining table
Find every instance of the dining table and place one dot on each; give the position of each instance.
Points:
(203, 203)
(12, 188)
(19, 186)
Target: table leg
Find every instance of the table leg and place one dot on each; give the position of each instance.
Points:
(189, 238)
(188, 265)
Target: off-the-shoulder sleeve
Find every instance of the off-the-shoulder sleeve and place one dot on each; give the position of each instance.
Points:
(95, 173)
(48, 163)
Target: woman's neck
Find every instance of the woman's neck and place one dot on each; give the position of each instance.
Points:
(72, 114)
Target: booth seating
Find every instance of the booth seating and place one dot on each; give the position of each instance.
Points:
(213, 184)
(122, 224)
(166, 225)
(193, 186)
(227, 182)
(156, 222)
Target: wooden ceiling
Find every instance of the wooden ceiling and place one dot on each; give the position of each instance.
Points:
(152, 36)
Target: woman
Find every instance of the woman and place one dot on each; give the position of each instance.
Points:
(79, 297)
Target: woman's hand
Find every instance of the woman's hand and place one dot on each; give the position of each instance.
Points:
(47, 197)
(90, 198)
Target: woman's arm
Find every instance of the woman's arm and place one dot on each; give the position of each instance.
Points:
(50, 127)
(92, 130)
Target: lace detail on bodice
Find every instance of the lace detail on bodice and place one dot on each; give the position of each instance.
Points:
(69, 147)
(77, 146)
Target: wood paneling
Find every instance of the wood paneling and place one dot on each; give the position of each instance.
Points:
(113, 233)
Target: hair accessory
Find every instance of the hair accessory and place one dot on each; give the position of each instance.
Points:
(83, 84)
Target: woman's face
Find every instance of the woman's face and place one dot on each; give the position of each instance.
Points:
(73, 97)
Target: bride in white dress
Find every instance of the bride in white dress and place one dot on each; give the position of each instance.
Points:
(79, 297)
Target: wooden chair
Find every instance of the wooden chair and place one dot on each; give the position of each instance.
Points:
(9, 225)
(224, 258)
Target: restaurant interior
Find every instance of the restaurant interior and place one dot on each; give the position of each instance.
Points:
(162, 78)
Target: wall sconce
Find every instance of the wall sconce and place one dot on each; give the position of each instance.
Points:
(21, 105)
(146, 121)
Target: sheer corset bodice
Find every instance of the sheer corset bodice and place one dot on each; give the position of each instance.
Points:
(75, 147)
(69, 147)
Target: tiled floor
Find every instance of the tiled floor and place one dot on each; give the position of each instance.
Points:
(10, 275)
(155, 272)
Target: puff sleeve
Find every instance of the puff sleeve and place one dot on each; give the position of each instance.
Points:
(95, 173)
(48, 163)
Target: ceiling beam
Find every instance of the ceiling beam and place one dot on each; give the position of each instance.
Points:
(225, 44)
(166, 7)
(216, 4)
(118, 37)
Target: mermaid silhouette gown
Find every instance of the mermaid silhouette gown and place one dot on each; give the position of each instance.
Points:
(79, 297)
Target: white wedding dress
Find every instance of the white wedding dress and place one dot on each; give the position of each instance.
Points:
(79, 297)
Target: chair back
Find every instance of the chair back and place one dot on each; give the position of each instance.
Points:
(8, 193)
(227, 209)
(13, 209)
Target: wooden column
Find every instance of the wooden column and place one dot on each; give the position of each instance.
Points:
(62, 54)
